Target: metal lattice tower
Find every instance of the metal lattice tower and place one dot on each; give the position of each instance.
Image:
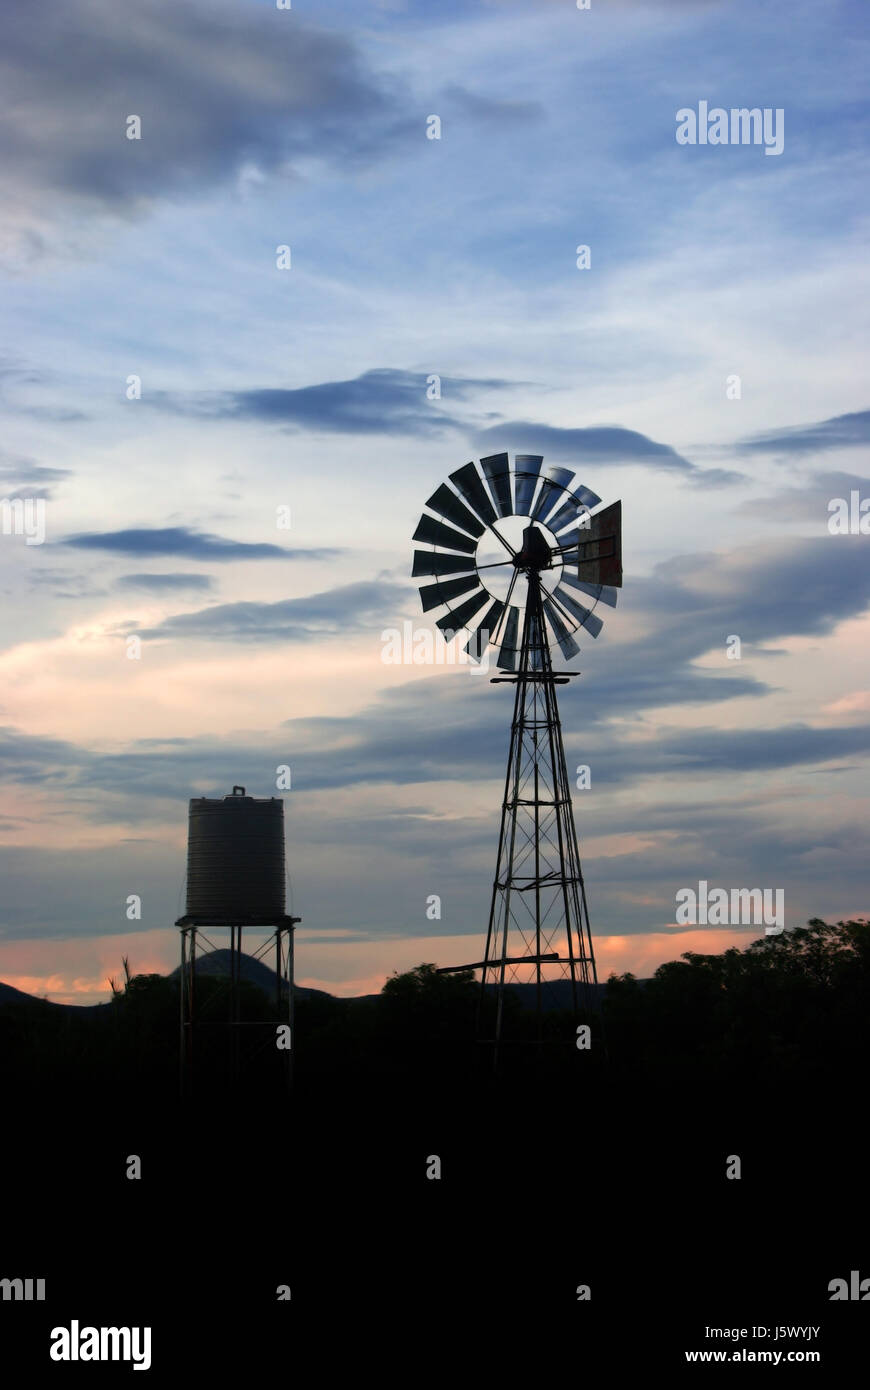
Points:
(569, 547)
(539, 917)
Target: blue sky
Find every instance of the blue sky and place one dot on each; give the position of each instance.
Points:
(306, 388)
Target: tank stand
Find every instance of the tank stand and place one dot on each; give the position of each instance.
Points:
(193, 1017)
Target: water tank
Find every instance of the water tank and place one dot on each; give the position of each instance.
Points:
(235, 858)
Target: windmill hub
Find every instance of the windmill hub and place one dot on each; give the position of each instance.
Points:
(535, 553)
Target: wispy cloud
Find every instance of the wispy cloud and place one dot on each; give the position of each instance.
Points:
(335, 612)
(500, 111)
(840, 432)
(196, 545)
(392, 401)
(18, 470)
(808, 502)
(164, 583)
(600, 444)
(384, 400)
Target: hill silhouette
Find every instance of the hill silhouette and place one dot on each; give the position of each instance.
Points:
(254, 971)
(10, 995)
(215, 964)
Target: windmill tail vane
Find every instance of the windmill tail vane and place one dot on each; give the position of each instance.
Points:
(522, 559)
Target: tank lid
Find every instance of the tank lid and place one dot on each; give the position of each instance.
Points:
(238, 795)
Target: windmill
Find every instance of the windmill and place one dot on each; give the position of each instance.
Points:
(522, 558)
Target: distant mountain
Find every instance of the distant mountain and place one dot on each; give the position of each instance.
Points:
(256, 972)
(10, 995)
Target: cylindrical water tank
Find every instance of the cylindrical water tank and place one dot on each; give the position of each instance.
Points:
(235, 858)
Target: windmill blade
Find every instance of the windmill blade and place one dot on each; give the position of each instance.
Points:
(600, 548)
(603, 593)
(527, 470)
(437, 562)
(585, 617)
(555, 482)
(468, 481)
(507, 655)
(433, 595)
(582, 500)
(573, 516)
(432, 532)
(445, 502)
(481, 639)
(497, 470)
(459, 617)
(567, 646)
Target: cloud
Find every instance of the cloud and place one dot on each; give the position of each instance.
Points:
(449, 734)
(182, 540)
(388, 400)
(435, 730)
(711, 750)
(219, 89)
(19, 379)
(26, 478)
(38, 760)
(806, 503)
(65, 583)
(715, 477)
(15, 468)
(381, 401)
(494, 110)
(335, 612)
(605, 444)
(160, 583)
(431, 730)
(840, 432)
(690, 604)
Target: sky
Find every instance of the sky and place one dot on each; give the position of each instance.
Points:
(176, 387)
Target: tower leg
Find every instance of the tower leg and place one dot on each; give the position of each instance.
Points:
(182, 1015)
(504, 833)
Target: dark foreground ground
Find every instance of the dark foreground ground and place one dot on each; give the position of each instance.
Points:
(622, 1192)
(568, 1169)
